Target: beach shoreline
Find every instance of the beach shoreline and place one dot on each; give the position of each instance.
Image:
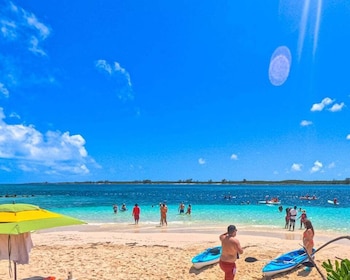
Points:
(106, 251)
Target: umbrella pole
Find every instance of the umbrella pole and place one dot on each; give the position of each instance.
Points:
(15, 269)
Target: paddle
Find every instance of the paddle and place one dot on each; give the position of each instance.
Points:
(252, 259)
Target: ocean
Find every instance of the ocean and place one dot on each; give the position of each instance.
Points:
(213, 205)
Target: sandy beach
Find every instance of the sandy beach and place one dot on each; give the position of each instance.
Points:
(104, 252)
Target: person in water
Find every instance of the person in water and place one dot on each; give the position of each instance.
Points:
(189, 209)
(136, 213)
(287, 218)
(182, 208)
(163, 214)
(231, 248)
(115, 208)
(123, 207)
(302, 218)
(293, 214)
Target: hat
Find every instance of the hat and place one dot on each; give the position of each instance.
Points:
(231, 228)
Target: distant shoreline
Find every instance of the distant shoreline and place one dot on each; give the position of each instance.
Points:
(192, 182)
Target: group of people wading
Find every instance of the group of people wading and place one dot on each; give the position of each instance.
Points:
(291, 217)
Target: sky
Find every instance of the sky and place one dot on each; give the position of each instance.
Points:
(174, 90)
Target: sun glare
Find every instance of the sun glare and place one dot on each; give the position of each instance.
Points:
(311, 17)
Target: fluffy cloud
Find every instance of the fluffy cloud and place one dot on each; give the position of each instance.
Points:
(305, 123)
(296, 167)
(317, 166)
(201, 161)
(337, 107)
(320, 106)
(53, 152)
(234, 157)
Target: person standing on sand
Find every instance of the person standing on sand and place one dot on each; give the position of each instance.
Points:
(308, 239)
(136, 213)
(231, 248)
(308, 236)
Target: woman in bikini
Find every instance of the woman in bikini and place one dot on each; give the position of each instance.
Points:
(308, 236)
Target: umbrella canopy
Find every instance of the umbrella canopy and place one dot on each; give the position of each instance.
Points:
(21, 218)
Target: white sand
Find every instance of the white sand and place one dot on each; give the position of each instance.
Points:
(147, 252)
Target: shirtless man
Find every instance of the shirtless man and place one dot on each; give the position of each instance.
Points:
(231, 248)
(182, 208)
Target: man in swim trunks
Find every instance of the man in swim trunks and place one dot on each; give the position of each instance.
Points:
(182, 208)
(231, 248)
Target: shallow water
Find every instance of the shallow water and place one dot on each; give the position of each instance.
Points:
(93, 203)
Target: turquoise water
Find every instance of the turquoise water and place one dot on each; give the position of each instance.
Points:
(93, 203)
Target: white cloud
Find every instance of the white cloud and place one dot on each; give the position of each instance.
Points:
(317, 166)
(320, 106)
(122, 70)
(122, 80)
(8, 29)
(305, 123)
(337, 107)
(34, 151)
(24, 27)
(201, 161)
(3, 90)
(32, 21)
(331, 165)
(34, 46)
(103, 65)
(234, 157)
(348, 137)
(296, 167)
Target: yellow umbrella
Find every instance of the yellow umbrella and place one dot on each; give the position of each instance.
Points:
(21, 218)
(16, 223)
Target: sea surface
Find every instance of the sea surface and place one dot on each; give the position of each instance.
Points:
(212, 205)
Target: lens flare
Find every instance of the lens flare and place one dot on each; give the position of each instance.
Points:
(280, 63)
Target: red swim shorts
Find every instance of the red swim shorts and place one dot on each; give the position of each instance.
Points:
(229, 269)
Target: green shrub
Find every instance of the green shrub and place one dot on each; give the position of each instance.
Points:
(340, 271)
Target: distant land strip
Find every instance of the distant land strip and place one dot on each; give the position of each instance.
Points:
(193, 182)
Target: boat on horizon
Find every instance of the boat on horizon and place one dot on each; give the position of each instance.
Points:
(308, 197)
(273, 201)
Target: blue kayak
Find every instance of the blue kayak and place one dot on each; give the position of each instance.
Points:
(207, 257)
(285, 262)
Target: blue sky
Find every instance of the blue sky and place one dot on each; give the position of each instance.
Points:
(174, 90)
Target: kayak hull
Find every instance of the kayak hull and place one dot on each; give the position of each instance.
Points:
(285, 262)
(207, 257)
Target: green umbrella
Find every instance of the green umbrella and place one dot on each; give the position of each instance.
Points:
(21, 218)
(18, 220)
